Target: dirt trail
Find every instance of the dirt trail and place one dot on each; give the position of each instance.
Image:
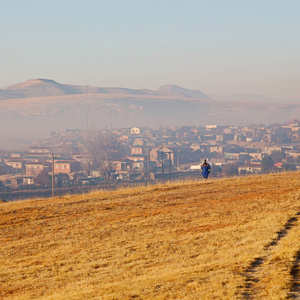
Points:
(253, 274)
(295, 272)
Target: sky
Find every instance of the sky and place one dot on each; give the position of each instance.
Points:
(219, 47)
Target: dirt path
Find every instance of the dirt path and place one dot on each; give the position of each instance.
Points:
(295, 272)
(253, 275)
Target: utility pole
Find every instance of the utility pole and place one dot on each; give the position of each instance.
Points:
(162, 166)
(148, 158)
(52, 175)
(170, 166)
(148, 175)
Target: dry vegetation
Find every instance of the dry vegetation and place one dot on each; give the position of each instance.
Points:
(233, 238)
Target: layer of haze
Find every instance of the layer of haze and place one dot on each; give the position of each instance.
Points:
(219, 47)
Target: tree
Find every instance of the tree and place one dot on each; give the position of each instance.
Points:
(267, 164)
(43, 179)
(230, 170)
(62, 180)
(277, 156)
(105, 148)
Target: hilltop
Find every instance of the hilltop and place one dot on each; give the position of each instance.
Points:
(225, 239)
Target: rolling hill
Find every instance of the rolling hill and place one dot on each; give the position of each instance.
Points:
(49, 88)
(41, 88)
(235, 238)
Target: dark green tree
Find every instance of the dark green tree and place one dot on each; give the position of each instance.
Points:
(267, 164)
(43, 179)
(277, 156)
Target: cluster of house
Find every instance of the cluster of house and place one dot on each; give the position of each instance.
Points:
(153, 154)
(21, 168)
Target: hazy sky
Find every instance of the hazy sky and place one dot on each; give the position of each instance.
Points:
(216, 46)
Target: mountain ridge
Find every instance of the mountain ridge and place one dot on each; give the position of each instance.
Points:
(47, 87)
(172, 90)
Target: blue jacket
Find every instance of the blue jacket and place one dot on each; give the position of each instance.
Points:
(205, 170)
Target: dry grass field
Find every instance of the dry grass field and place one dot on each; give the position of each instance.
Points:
(235, 238)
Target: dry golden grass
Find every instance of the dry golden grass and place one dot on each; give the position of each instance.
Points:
(192, 240)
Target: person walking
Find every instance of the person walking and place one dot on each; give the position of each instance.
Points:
(205, 168)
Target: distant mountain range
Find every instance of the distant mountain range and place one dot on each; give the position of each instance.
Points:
(34, 108)
(49, 88)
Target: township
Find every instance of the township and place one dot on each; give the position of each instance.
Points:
(81, 158)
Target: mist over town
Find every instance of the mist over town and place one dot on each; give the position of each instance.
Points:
(75, 138)
(32, 109)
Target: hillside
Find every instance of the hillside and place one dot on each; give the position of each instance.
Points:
(233, 238)
(177, 91)
(41, 88)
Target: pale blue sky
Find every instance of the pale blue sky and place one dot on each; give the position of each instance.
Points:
(218, 47)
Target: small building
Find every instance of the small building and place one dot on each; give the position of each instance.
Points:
(28, 180)
(140, 150)
(11, 181)
(139, 130)
(15, 163)
(217, 148)
(162, 153)
(39, 150)
(231, 156)
(224, 137)
(16, 154)
(211, 127)
(66, 166)
(35, 168)
(124, 138)
(139, 165)
(256, 155)
(269, 137)
(252, 168)
(239, 137)
(135, 130)
(122, 165)
(294, 154)
(269, 150)
(294, 123)
(143, 165)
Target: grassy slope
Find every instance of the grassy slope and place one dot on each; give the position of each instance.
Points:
(191, 240)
